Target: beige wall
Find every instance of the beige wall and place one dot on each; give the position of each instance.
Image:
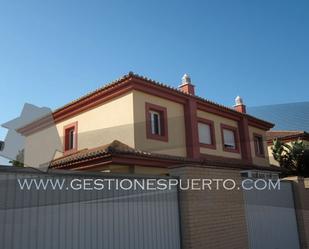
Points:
(263, 161)
(218, 120)
(176, 144)
(124, 119)
(110, 121)
(41, 147)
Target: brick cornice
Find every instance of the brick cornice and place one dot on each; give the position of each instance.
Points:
(134, 82)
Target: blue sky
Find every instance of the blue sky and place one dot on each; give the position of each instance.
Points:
(52, 52)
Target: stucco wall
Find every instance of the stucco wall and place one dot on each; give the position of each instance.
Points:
(217, 124)
(176, 144)
(96, 127)
(256, 159)
(41, 147)
(111, 121)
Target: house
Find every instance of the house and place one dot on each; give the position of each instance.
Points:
(137, 125)
(285, 136)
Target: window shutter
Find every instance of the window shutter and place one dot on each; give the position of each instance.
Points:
(204, 133)
(229, 138)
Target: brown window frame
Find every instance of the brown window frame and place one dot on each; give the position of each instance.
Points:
(212, 133)
(69, 127)
(259, 136)
(236, 137)
(163, 122)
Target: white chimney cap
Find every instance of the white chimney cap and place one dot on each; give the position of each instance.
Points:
(186, 79)
(238, 101)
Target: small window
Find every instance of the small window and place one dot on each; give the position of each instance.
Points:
(229, 138)
(259, 145)
(70, 137)
(206, 133)
(156, 122)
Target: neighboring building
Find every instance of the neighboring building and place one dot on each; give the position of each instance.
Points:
(286, 137)
(289, 116)
(137, 125)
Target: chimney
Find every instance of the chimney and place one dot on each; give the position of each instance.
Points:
(186, 85)
(239, 105)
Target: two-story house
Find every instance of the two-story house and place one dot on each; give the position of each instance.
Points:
(137, 125)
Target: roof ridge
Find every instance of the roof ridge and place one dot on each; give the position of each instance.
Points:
(131, 74)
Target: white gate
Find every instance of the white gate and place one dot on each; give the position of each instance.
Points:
(271, 218)
(67, 219)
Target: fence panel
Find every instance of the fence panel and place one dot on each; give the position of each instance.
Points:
(271, 218)
(83, 219)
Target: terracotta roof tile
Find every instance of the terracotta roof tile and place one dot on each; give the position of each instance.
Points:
(150, 81)
(270, 135)
(117, 147)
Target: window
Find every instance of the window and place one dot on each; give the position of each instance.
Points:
(70, 137)
(206, 133)
(229, 138)
(258, 145)
(69, 134)
(156, 122)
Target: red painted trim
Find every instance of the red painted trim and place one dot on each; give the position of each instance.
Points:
(236, 135)
(245, 140)
(212, 133)
(95, 101)
(65, 128)
(240, 108)
(259, 124)
(164, 126)
(217, 111)
(187, 88)
(256, 135)
(147, 86)
(191, 129)
(129, 160)
(159, 91)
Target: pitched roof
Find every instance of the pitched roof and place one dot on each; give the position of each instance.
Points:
(287, 135)
(125, 83)
(153, 82)
(117, 148)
